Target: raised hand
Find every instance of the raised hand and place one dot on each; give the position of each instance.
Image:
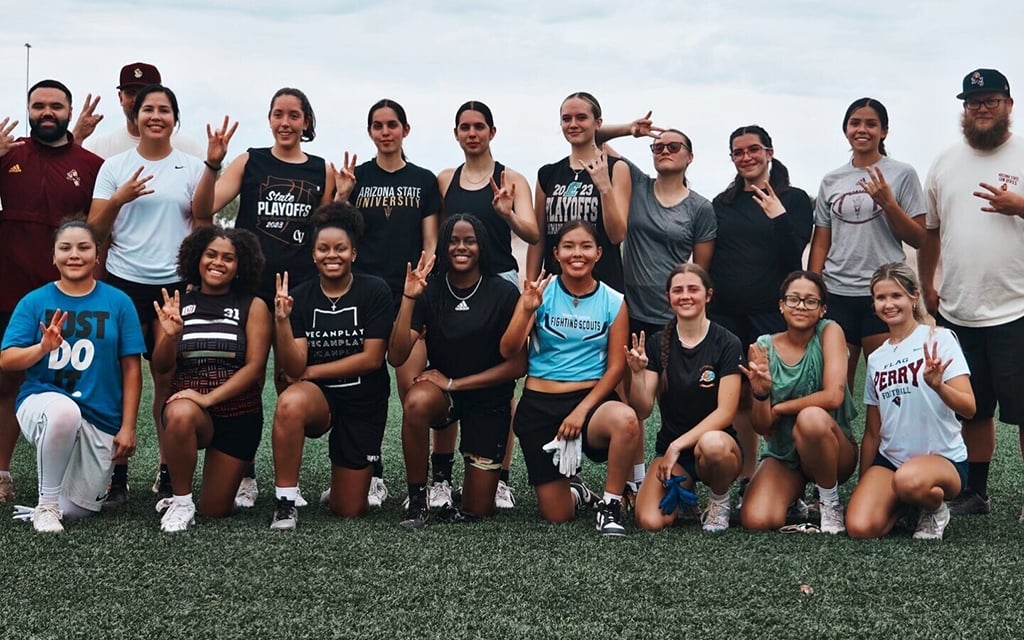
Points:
(636, 357)
(768, 200)
(416, 279)
(1000, 200)
(283, 302)
(169, 314)
(344, 178)
(87, 119)
(757, 370)
(643, 127)
(135, 187)
(533, 291)
(7, 141)
(879, 190)
(52, 337)
(598, 170)
(504, 195)
(934, 365)
(217, 145)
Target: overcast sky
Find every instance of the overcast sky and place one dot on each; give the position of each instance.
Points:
(703, 67)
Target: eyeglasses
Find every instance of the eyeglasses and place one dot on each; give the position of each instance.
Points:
(749, 151)
(990, 103)
(673, 147)
(794, 301)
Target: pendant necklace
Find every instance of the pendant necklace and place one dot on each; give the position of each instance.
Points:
(462, 306)
(334, 301)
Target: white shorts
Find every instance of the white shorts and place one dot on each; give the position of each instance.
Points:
(88, 472)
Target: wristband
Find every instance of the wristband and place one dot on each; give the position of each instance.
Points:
(210, 166)
(450, 381)
(406, 295)
(761, 398)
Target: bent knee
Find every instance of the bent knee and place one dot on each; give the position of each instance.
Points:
(714, 446)
(813, 423)
(651, 520)
(863, 526)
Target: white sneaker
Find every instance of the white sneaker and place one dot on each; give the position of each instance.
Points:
(325, 497)
(286, 516)
(178, 517)
(46, 519)
(245, 497)
(833, 518)
(299, 500)
(715, 517)
(439, 494)
(378, 492)
(163, 504)
(932, 524)
(503, 497)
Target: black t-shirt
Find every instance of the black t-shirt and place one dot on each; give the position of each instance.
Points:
(467, 341)
(363, 313)
(571, 195)
(693, 378)
(754, 254)
(393, 206)
(480, 204)
(276, 201)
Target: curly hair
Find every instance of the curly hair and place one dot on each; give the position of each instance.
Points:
(247, 251)
(340, 215)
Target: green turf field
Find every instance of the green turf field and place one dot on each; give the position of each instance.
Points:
(118, 576)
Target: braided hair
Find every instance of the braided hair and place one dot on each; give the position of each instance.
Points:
(669, 331)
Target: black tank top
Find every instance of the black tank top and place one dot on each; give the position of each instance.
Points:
(571, 195)
(212, 349)
(478, 203)
(276, 201)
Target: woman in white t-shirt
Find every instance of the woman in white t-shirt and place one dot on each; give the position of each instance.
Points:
(917, 382)
(146, 201)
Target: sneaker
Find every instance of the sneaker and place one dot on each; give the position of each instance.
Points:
(715, 517)
(798, 510)
(245, 497)
(162, 485)
(629, 493)
(378, 492)
(286, 516)
(439, 494)
(503, 497)
(415, 515)
(741, 491)
(832, 518)
(117, 496)
(46, 519)
(178, 517)
(584, 497)
(933, 523)
(970, 503)
(163, 504)
(299, 500)
(451, 515)
(6, 490)
(609, 518)
(325, 497)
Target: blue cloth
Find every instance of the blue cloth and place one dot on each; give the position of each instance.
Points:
(101, 328)
(677, 496)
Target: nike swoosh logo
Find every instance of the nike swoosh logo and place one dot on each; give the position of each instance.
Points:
(179, 167)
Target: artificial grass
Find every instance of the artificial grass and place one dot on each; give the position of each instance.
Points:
(511, 577)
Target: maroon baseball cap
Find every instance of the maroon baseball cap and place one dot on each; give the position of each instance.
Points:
(138, 74)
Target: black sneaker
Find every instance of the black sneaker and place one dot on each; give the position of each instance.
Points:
(609, 518)
(451, 515)
(970, 503)
(416, 514)
(117, 496)
(584, 497)
(162, 488)
(286, 516)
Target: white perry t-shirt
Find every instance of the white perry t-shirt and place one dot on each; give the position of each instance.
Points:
(119, 141)
(982, 254)
(147, 232)
(915, 420)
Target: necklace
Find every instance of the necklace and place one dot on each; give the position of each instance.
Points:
(334, 301)
(576, 297)
(462, 306)
(705, 325)
(473, 182)
(895, 345)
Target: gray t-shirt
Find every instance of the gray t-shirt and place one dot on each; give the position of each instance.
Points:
(658, 239)
(862, 237)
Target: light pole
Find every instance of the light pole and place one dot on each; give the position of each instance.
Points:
(28, 49)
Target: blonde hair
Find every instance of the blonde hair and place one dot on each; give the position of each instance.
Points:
(905, 277)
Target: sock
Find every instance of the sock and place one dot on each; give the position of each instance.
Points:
(251, 472)
(378, 468)
(828, 496)
(715, 497)
(639, 472)
(417, 492)
(977, 477)
(120, 475)
(441, 464)
(6, 475)
(288, 493)
(608, 497)
(55, 448)
(185, 499)
(503, 476)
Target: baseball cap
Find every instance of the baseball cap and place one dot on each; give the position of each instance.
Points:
(984, 81)
(138, 74)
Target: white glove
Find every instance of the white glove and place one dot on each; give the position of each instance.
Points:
(565, 454)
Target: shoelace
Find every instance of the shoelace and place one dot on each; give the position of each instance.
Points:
(712, 512)
(284, 509)
(177, 514)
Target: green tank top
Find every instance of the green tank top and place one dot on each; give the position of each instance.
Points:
(796, 381)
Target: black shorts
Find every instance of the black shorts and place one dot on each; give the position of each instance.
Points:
(995, 356)
(687, 459)
(856, 315)
(749, 326)
(356, 432)
(485, 418)
(238, 436)
(143, 296)
(961, 467)
(538, 417)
